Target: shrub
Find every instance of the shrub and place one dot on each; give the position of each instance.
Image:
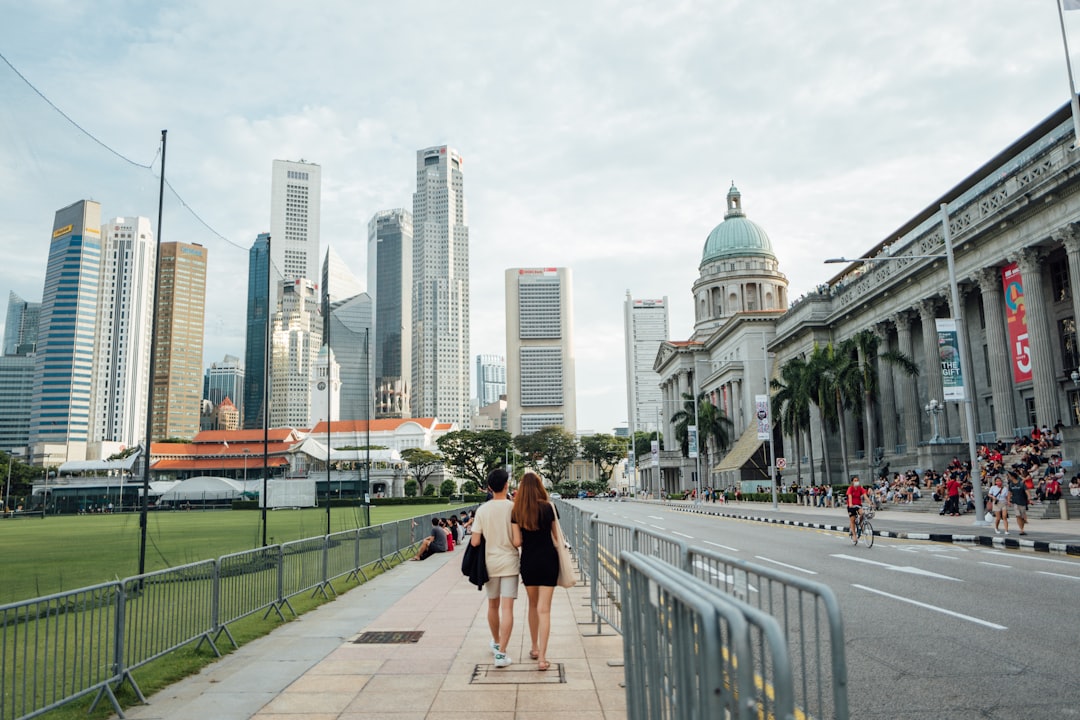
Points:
(470, 487)
(429, 491)
(448, 488)
(410, 488)
(410, 501)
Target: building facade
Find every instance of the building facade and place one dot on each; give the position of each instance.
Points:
(390, 274)
(21, 326)
(540, 381)
(325, 388)
(258, 318)
(440, 290)
(490, 379)
(225, 379)
(350, 339)
(296, 336)
(295, 200)
(645, 324)
(124, 324)
(181, 319)
(63, 371)
(16, 401)
(338, 282)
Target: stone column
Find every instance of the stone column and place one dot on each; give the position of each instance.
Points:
(886, 393)
(997, 344)
(1070, 238)
(967, 364)
(1047, 408)
(936, 389)
(909, 395)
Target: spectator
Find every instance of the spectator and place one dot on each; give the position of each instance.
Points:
(433, 543)
(1053, 489)
(1019, 498)
(1000, 497)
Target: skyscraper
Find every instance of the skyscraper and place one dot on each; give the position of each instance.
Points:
(337, 279)
(490, 378)
(296, 337)
(646, 325)
(225, 379)
(64, 363)
(295, 196)
(440, 291)
(351, 340)
(124, 322)
(540, 382)
(390, 273)
(21, 327)
(181, 317)
(258, 315)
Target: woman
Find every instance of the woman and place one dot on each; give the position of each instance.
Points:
(532, 522)
(1000, 497)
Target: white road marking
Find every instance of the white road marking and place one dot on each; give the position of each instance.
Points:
(656, 517)
(935, 608)
(676, 532)
(983, 562)
(781, 564)
(657, 527)
(1011, 555)
(739, 583)
(726, 547)
(926, 549)
(1070, 577)
(898, 568)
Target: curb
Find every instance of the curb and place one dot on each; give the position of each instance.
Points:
(954, 538)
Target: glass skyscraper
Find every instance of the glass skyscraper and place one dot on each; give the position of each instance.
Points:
(21, 328)
(257, 323)
(390, 274)
(490, 378)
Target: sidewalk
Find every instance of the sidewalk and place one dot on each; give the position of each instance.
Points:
(312, 668)
(1057, 536)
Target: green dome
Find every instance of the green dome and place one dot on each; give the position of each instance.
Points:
(736, 236)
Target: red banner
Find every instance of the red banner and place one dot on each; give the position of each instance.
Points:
(1016, 320)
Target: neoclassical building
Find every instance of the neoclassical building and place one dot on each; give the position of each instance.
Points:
(739, 297)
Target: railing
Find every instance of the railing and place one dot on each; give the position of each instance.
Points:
(59, 648)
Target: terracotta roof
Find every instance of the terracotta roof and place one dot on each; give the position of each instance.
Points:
(444, 426)
(254, 449)
(377, 425)
(683, 343)
(225, 463)
(241, 436)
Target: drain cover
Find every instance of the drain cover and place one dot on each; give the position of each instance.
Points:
(487, 674)
(389, 637)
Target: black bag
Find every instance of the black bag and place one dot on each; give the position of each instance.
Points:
(474, 564)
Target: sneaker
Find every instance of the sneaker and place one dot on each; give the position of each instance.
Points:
(494, 647)
(502, 660)
(996, 531)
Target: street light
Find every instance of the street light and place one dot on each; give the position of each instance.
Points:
(246, 453)
(961, 339)
(933, 409)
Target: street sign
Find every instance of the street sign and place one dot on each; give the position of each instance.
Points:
(781, 463)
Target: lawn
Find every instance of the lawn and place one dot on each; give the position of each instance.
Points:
(43, 556)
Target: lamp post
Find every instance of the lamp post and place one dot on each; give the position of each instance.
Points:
(933, 409)
(246, 453)
(656, 458)
(962, 345)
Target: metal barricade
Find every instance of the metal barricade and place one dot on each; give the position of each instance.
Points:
(302, 568)
(673, 552)
(248, 582)
(609, 540)
(341, 555)
(809, 616)
(57, 648)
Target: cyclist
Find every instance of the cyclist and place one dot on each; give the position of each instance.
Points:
(855, 494)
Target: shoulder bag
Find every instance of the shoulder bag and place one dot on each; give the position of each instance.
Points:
(566, 564)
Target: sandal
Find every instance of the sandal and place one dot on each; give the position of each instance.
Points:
(533, 654)
(543, 665)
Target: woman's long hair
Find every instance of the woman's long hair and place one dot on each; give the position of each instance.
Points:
(528, 499)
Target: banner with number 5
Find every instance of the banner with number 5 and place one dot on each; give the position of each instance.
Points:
(1016, 321)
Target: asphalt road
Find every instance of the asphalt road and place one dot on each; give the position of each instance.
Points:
(931, 630)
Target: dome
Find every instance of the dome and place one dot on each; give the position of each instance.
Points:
(736, 236)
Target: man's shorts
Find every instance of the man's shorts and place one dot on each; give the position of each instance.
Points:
(853, 510)
(1020, 511)
(504, 586)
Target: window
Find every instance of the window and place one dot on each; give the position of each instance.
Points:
(1059, 281)
(1070, 357)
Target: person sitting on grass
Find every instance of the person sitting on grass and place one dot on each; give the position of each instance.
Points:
(433, 543)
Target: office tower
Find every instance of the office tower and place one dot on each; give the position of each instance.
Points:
(124, 322)
(225, 379)
(258, 315)
(646, 326)
(325, 388)
(490, 378)
(351, 340)
(21, 327)
(390, 273)
(337, 279)
(60, 416)
(181, 317)
(16, 401)
(440, 299)
(540, 385)
(294, 223)
(296, 336)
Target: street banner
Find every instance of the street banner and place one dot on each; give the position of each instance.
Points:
(761, 412)
(692, 441)
(952, 374)
(655, 451)
(1016, 323)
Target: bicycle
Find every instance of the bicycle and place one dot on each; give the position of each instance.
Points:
(863, 529)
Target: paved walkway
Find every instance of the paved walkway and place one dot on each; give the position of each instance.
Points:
(311, 668)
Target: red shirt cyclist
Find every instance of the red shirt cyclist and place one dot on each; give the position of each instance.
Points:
(855, 494)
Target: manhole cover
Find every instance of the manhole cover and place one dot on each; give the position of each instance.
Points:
(527, 674)
(389, 637)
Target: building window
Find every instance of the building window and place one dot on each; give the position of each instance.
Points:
(1059, 281)
(1070, 358)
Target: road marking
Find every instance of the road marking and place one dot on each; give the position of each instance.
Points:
(726, 547)
(1031, 557)
(738, 583)
(676, 532)
(935, 608)
(898, 568)
(657, 527)
(781, 564)
(656, 517)
(983, 562)
(1070, 577)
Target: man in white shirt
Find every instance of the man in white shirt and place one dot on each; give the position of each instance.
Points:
(492, 523)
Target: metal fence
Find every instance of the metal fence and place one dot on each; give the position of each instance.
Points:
(59, 648)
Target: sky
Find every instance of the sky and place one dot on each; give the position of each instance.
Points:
(597, 135)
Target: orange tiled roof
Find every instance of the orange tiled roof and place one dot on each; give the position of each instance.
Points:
(204, 450)
(226, 463)
(377, 425)
(241, 436)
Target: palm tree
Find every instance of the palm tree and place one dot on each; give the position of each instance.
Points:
(817, 386)
(791, 404)
(712, 425)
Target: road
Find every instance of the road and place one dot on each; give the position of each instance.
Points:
(932, 630)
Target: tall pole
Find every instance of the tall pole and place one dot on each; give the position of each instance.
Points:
(656, 465)
(697, 432)
(150, 381)
(367, 423)
(1074, 102)
(7, 491)
(266, 392)
(768, 405)
(961, 341)
(329, 395)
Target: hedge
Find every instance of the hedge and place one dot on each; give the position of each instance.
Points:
(411, 501)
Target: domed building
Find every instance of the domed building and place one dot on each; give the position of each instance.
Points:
(739, 295)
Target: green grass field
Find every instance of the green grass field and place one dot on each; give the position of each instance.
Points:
(44, 556)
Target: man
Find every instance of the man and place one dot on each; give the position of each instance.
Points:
(492, 524)
(433, 543)
(855, 494)
(952, 492)
(1019, 498)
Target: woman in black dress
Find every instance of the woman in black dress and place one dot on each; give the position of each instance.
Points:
(532, 521)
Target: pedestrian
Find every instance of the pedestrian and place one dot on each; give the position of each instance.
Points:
(1000, 497)
(532, 521)
(952, 492)
(1019, 499)
(492, 523)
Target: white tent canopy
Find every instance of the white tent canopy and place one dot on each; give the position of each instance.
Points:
(203, 488)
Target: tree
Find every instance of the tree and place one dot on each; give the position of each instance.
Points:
(429, 491)
(818, 390)
(474, 454)
(791, 406)
(410, 488)
(643, 441)
(549, 451)
(712, 424)
(607, 451)
(422, 464)
(470, 487)
(447, 488)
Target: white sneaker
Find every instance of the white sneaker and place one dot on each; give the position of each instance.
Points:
(494, 647)
(502, 660)
(996, 531)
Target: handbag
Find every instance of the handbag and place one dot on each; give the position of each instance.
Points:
(566, 564)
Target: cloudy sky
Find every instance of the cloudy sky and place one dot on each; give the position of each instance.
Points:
(597, 135)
